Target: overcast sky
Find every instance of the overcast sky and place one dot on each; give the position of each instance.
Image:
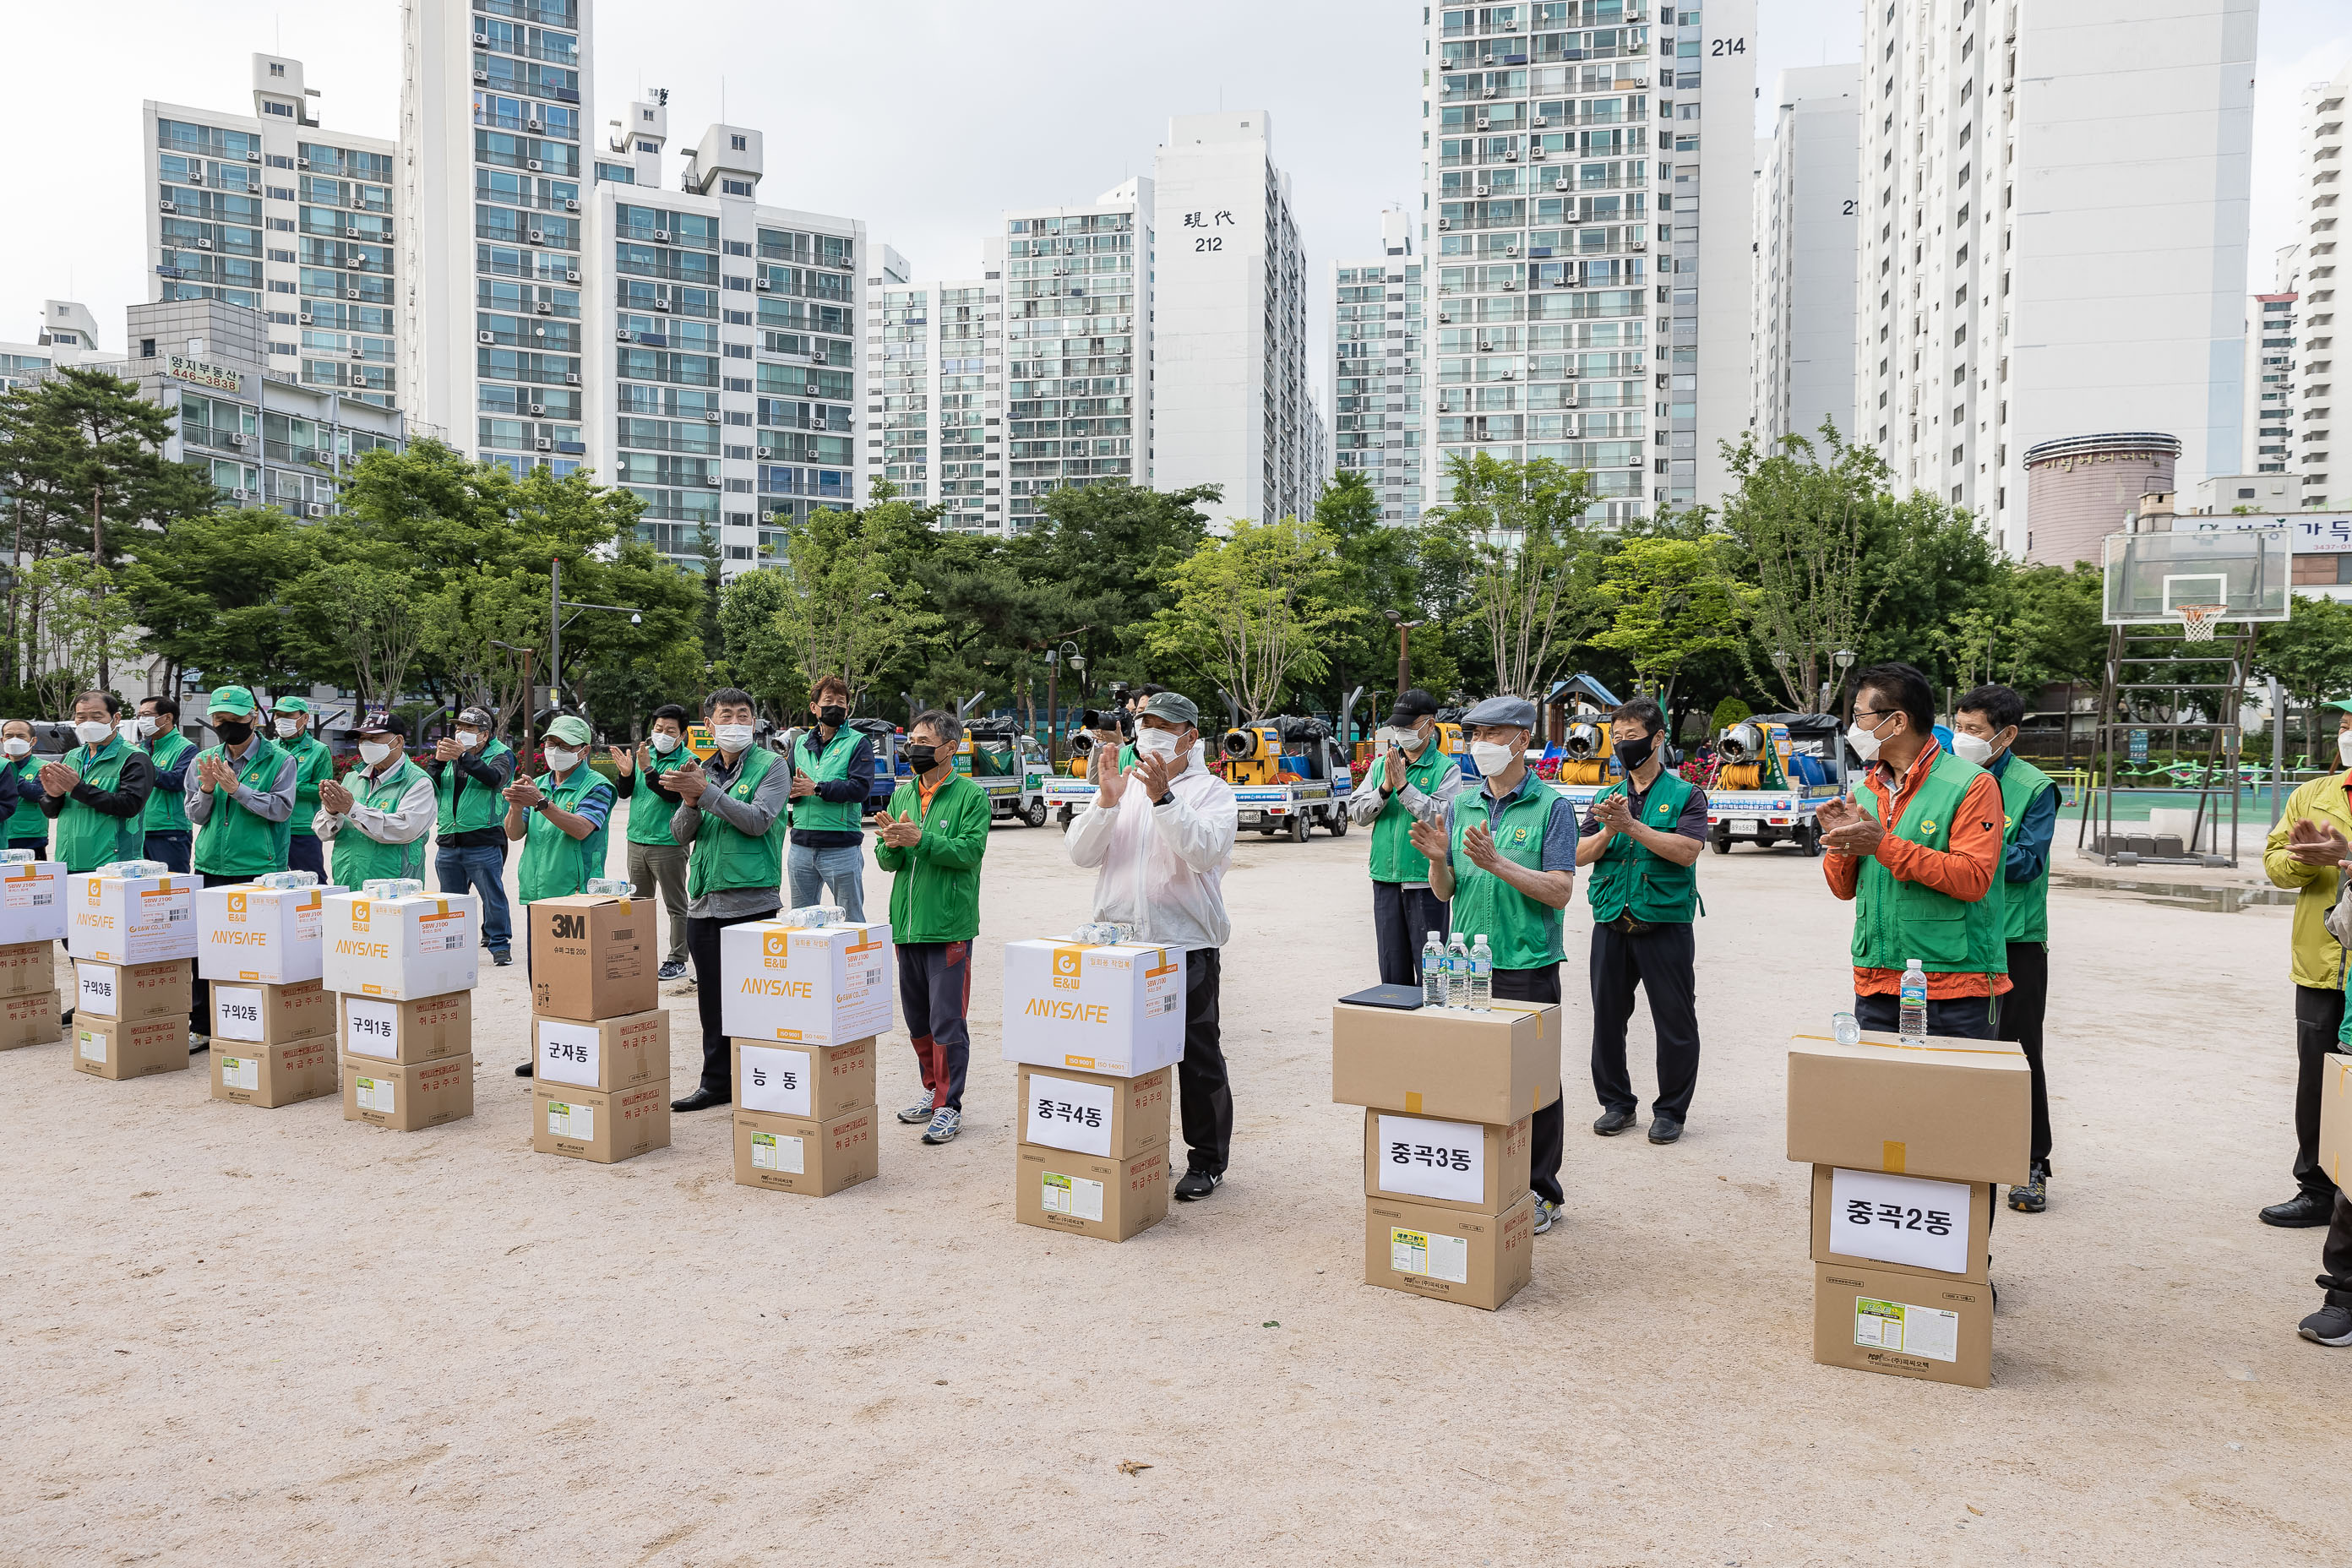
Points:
(926, 118)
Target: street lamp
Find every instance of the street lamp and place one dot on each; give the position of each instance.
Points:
(1404, 661)
(1055, 657)
(557, 620)
(1844, 657)
(529, 664)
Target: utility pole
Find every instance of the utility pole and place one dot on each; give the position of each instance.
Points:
(1404, 661)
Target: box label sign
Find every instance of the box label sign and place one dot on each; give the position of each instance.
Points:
(1427, 1158)
(96, 989)
(236, 1014)
(779, 1151)
(774, 1080)
(1072, 1195)
(567, 1053)
(375, 1094)
(571, 1121)
(242, 1072)
(373, 1027)
(1928, 1331)
(1904, 1220)
(1429, 1255)
(92, 1044)
(1069, 1113)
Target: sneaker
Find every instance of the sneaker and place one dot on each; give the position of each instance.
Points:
(1663, 1128)
(525, 1070)
(502, 958)
(2331, 1325)
(918, 1113)
(944, 1126)
(1198, 1184)
(1547, 1215)
(198, 1044)
(671, 969)
(1613, 1122)
(2034, 1196)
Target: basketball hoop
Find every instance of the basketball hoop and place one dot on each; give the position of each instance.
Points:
(2198, 622)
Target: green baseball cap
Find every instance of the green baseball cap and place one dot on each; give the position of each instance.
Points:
(236, 699)
(292, 705)
(571, 728)
(2342, 705)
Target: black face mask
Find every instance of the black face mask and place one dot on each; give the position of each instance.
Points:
(233, 731)
(923, 759)
(832, 718)
(1632, 755)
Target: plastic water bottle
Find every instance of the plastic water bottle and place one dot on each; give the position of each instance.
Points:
(1457, 972)
(1914, 1006)
(281, 880)
(392, 888)
(134, 869)
(1481, 975)
(609, 886)
(19, 857)
(1432, 972)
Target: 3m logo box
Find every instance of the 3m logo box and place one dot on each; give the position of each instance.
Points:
(427, 946)
(422, 1029)
(26, 967)
(1454, 1254)
(1490, 1068)
(1446, 1164)
(1959, 1110)
(104, 1049)
(131, 920)
(273, 1015)
(1118, 1011)
(402, 1097)
(591, 957)
(128, 992)
(814, 1082)
(612, 1054)
(601, 1126)
(266, 934)
(271, 1075)
(796, 1155)
(1095, 1113)
(33, 898)
(814, 985)
(1904, 1324)
(30, 1020)
(1083, 1194)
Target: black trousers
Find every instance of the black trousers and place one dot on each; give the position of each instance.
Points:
(2021, 1022)
(1660, 961)
(1543, 1154)
(2318, 1015)
(304, 852)
(1402, 918)
(1965, 1017)
(200, 991)
(710, 996)
(2336, 1255)
(1204, 1092)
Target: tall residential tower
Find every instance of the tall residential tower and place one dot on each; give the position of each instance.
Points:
(1379, 324)
(1806, 206)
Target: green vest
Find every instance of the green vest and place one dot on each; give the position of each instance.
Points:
(1394, 859)
(87, 839)
(359, 857)
(812, 813)
(480, 806)
(555, 864)
(1634, 879)
(29, 820)
(313, 766)
(1895, 921)
(724, 856)
(2025, 906)
(167, 809)
(649, 814)
(1523, 933)
(234, 842)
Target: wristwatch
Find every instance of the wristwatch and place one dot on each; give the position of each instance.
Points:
(1165, 797)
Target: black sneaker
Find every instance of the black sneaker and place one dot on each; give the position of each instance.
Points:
(502, 958)
(525, 1071)
(2331, 1325)
(1198, 1184)
(2034, 1196)
(198, 1044)
(1663, 1128)
(671, 969)
(1613, 1122)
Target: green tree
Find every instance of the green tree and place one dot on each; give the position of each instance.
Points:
(849, 605)
(1670, 600)
(758, 656)
(1251, 610)
(215, 594)
(1112, 548)
(82, 627)
(2310, 654)
(1804, 526)
(1534, 562)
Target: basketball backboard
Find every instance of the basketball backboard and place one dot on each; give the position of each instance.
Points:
(2149, 577)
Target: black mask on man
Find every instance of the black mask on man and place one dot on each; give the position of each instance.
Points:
(832, 718)
(233, 731)
(922, 759)
(1632, 755)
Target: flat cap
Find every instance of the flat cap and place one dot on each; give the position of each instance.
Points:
(1172, 706)
(1515, 711)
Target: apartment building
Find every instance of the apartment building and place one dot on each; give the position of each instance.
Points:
(68, 335)
(1231, 404)
(1587, 311)
(2271, 405)
(935, 391)
(1077, 323)
(1806, 224)
(2319, 214)
(1379, 324)
(271, 212)
(2054, 245)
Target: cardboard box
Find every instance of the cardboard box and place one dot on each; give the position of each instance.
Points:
(816, 985)
(104, 1049)
(592, 957)
(815, 1082)
(1452, 1255)
(1083, 1195)
(268, 935)
(617, 1053)
(1961, 1109)
(273, 1015)
(602, 1125)
(422, 1029)
(795, 1154)
(400, 948)
(1446, 1164)
(34, 901)
(1911, 1225)
(274, 1075)
(128, 992)
(130, 920)
(28, 967)
(2335, 1118)
(1883, 1319)
(1490, 1068)
(1095, 1113)
(1118, 1011)
(31, 1020)
(405, 1097)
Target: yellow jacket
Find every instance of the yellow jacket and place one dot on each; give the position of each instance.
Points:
(2318, 957)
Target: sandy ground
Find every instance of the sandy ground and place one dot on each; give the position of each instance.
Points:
(276, 1337)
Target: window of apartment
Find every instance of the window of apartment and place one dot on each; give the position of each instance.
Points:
(277, 69)
(285, 109)
(738, 144)
(648, 146)
(735, 187)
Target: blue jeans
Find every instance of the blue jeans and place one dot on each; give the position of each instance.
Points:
(480, 870)
(842, 870)
(169, 845)
(304, 853)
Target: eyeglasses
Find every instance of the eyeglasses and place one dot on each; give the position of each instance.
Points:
(1874, 713)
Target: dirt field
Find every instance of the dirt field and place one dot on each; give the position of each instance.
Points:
(237, 1335)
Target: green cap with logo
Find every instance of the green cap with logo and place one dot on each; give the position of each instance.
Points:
(235, 699)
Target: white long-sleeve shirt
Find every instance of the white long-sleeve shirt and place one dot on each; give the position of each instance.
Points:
(412, 819)
(1162, 867)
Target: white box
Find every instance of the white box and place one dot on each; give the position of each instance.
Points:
(816, 986)
(400, 948)
(1115, 1010)
(265, 934)
(131, 920)
(32, 901)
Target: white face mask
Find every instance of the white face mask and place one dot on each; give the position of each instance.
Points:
(16, 747)
(97, 732)
(1493, 759)
(2343, 747)
(664, 743)
(1863, 741)
(562, 761)
(468, 739)
(372, 752)
(1155, 742)
(732, 737)
(288, 728)
(148, 724)
(1971, 748)
(1410, 739)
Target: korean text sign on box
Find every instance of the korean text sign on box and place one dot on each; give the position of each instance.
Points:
(816, 986)
(265, 934)
(610, 1054)
(1117, 1010)
(1911, 1223)
(131, 920)
(1450, 1164)
(1095, 1113)
(33, 900)
(814, 1082)
(426, 945)
(423, 1029)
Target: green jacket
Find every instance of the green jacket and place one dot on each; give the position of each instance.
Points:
(233, 841)
(649, 814)
(555, 865)
(724, 856)
(813, 812)
(313, 766)
(87, 839)
(167, 808)
(1523, 932)
(2025, 906)
(1394, 859)
(474, 807)
(2317, 958)
(359, 859)
(1895, 921)
(29, 820)
(1632, 878)
(934, 885)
